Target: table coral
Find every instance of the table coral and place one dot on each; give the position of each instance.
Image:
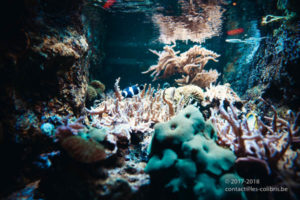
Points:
(186, 160)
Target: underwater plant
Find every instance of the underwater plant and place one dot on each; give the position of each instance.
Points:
(190, 64)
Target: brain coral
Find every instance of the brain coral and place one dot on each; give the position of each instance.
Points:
(186, 161)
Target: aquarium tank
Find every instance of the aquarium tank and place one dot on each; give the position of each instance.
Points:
(149, 99)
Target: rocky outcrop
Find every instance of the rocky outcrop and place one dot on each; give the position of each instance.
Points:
(43, 72)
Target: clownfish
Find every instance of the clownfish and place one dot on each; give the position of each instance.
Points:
(131, 91)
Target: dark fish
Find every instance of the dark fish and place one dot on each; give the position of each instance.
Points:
(131, 91)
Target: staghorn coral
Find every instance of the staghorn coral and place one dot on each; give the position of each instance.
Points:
(192, 24)
(266, 145)
(123, 116)
(190, 64)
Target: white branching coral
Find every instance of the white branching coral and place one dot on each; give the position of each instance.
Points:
(122, 116)
(190, 64)
(199, 21)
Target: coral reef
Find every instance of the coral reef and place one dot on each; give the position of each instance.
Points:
(186, 161)
(198, 21)
(190, 64)
(106, 165)
(65, 135)
(43, 73)
(204, 99)
(124, 116)
(267, 145)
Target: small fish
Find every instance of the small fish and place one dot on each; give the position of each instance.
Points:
(252, 121)
(108, 4)
(235, 31)
(131, 91)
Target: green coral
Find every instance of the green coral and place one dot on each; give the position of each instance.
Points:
(91, 93)
(94, 90)
(100, 87)
(186, 161)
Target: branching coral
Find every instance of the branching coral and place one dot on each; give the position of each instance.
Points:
(122, 116)
(266, 145)
(192, 24)
(189, 63)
